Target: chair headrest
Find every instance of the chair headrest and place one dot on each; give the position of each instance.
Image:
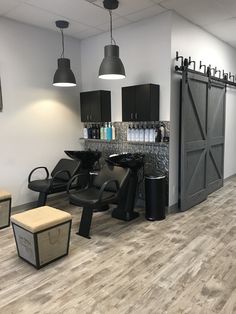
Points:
(66, 164)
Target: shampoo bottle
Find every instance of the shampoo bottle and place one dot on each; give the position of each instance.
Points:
(146, 134)
(152, 134)
(94, 131)
(129, 134)
(98, 132)
(137, 134)
(109, 132)
(105, 132)
(101, 132)
(141, 134)
(90, 132)
(162, 133)
(85, 131)
(133, 134)
(113, 132)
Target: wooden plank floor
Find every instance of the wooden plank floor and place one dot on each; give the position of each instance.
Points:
(184, 264)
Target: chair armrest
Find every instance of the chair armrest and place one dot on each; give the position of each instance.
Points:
(105, 184)
(69, 184)
(31, 173)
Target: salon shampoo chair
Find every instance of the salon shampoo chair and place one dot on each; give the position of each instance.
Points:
(105, 188)
(57, 182)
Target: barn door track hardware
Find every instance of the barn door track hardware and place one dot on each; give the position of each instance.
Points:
(213, 73)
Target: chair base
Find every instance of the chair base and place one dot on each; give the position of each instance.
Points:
(42, 199)
(124, 215)
(85, 223)
(82, 235)
(101, 209)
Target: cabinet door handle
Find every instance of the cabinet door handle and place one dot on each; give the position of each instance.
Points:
(132, 116)
(136, 116)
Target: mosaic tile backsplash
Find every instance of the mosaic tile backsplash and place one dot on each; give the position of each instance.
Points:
(156, 154)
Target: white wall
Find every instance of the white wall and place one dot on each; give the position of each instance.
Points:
(145, 52)
(38, 120)
(190, 40)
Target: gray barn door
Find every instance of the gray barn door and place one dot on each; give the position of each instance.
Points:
(202, 139)
(216, 136)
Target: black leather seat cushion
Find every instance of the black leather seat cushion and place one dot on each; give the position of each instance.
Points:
(90, 197)
(44, 185)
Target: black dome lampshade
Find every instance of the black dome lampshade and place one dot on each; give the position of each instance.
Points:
(111, 67)
(63, 77)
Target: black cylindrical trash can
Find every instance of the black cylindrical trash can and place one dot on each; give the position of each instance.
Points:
(155, 197)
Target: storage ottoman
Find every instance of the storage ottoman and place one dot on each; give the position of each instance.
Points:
(5, 209)
(42, 235)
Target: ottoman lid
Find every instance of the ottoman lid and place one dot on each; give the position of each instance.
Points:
(40, 218)
(4, 195)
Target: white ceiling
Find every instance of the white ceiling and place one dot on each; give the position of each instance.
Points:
(87, 19)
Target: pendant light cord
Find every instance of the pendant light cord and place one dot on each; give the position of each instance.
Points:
(112, 39)
(63, 45)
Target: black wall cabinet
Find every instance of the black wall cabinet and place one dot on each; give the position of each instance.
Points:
(95, 106)
(140, 103)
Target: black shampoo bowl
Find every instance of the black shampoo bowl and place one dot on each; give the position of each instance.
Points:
(133, 161)
(86, 158)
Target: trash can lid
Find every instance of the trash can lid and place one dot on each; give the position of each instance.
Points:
(158, 177)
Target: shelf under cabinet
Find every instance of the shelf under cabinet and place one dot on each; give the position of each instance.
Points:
(126, 142)
(146, 143)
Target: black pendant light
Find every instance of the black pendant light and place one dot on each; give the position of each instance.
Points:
(63, 76)
(111, 67)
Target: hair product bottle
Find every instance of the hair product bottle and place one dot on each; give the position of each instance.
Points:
(85, 133)
(113, 132)
(141, 134)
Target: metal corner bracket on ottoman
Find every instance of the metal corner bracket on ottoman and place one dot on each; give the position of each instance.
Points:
(5, 209)
(42, 235)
